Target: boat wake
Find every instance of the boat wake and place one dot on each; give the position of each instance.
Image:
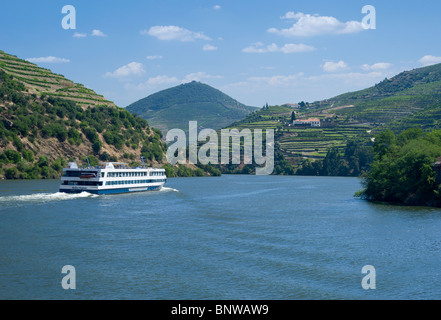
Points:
(45, 197)
(167, 189)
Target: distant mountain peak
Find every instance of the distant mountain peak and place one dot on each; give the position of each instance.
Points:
(192, 101)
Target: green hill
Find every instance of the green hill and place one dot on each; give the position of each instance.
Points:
(350, 121)
(194, 101)
(411, 98)
(39, 81)
(47, 120)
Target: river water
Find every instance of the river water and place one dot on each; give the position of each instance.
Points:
(229, 237)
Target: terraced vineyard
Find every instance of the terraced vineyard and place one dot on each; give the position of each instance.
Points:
(315, 142)
(42, 81)
(305, 141)
(391, 108)
(411, 98)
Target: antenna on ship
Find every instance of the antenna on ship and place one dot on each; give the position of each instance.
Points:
(142, 160)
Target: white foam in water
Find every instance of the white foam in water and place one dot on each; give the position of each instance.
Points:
(169, 189)
(43, 197)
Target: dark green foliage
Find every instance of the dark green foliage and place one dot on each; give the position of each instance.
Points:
(17, 143)
(210, 169)
(74, 137)
(96, 147)
(93, 161)
(28, 155)
(43, 161)
(182, 171)
(11, 173)
(12, 156)
(281, 165)
(293, 116)
(355, 160)
(91, 134)
(59, 164)
(403, 170)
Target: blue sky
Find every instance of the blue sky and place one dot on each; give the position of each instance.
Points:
(255, 51)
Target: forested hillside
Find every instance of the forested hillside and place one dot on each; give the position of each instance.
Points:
(39, 134)
(40, 131)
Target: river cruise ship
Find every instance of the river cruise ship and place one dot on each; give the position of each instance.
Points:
(111, 177)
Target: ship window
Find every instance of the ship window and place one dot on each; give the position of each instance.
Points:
(72, 173)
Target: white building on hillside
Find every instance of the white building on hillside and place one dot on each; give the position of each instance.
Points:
(313, 122)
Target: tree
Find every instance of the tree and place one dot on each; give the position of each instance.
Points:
(96, 146)
(43, 161)
(293, 116)
(331, 163)
(403, 169)
(384, 143)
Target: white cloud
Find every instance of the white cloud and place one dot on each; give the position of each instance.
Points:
(287, 48)
(429, 60)
(49, 59)
(292, 15)
(217, 7)
(174, 33)
(164, 81)
(377, 66)
(160, 80)
(98, 33)
(94, 33)
(198, 76)
(133, 68)
(79, 35)
(209, 47)
(313, 25)
(331, 66)
(153, 82)
(151, 85)
(153, 57)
